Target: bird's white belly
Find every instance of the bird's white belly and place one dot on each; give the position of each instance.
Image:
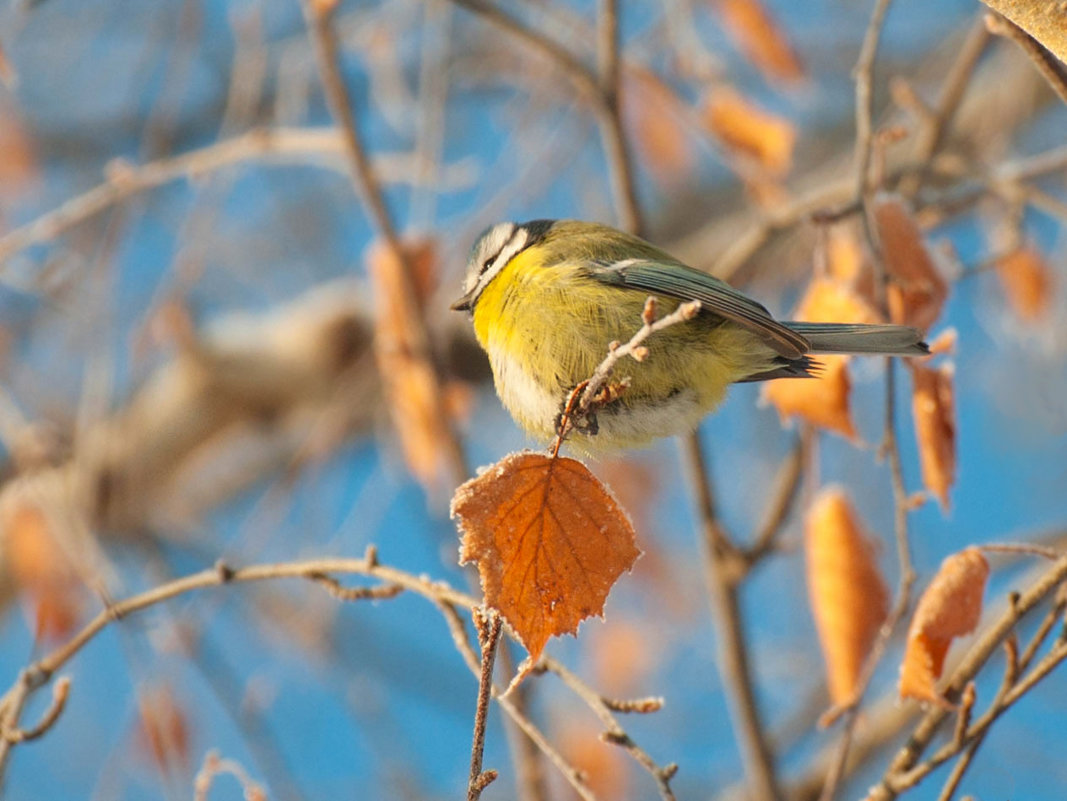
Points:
(535, 407)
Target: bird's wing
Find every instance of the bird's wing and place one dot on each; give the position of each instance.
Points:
(715, 296)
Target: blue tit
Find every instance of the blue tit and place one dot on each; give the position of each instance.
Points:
(548, 296)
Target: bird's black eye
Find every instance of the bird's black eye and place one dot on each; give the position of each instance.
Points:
(486, 264)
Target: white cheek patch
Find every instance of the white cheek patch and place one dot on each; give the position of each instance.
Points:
(508, 250)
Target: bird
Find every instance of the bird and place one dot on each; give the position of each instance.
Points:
(547, 297)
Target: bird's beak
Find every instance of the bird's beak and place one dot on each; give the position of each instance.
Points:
(464, 303)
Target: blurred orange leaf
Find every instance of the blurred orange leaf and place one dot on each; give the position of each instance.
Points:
(1028, 283)
(622, 656)
(549, 539)
(824, 401)
(758, 36)
(7, 71)
(410, 383)
(47, 582)
(917, 291)
(748, 130)
(604, 765)
(653, 111)
(18, 159)
(163, 727)
(934, 410)
(849, 598)
(949, 608)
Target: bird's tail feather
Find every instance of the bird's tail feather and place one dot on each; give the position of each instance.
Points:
(887, 340)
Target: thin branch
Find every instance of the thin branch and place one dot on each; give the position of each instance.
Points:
(725, 568)
(614, 733)
(612, 135)
(787, 484)
(1050, 67)
(214, 766)
(489, 625)
(864, 76)
(366, 183)
(908, 757)
(320, 147)
(60, 691)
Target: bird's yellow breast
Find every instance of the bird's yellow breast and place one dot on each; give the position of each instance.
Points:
(546, 327)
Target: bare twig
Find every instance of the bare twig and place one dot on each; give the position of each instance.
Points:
(60, 691)
(365, 180)
(214, 766)
(313, 146)
(1050, 67)
(613, 137)
(596, 391)
(864, 76)
(614, 733)
(489, 624)
(725, 568)
(903, 770)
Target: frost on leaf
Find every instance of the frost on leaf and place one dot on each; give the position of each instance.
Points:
(950, 607)
(549, 540)
(849, 598)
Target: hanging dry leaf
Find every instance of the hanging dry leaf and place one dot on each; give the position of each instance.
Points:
(549, 540)
(163, 727)
(409, 379)
(934, 410)
(759, 37)
(917, 291)
(949, 608)
(823, 401)
(1028, 283)
(652, 111)
(849, 598)
(748, 130)
(47, 583)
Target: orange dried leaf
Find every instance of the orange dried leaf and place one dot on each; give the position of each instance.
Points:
(949, 608)
(163, 727)
(849, 598)
(1028, 283)
(934, 410)
(748, 130)
(549, 539)
(409, 379)
(824, 401)
(652, 111)
(41, 570)
(759, 37)
(917, 291)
